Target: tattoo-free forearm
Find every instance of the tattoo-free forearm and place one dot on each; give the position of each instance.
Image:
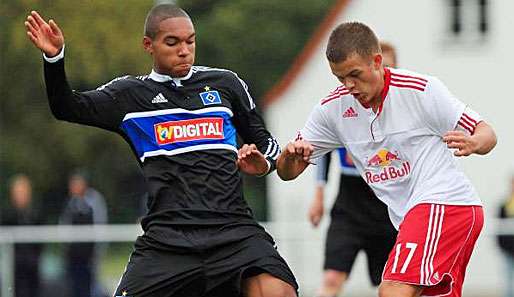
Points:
(485, 138)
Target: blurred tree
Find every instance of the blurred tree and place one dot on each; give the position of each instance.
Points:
(103, 42)
(256, 38)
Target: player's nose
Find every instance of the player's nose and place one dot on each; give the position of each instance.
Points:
(184, 50)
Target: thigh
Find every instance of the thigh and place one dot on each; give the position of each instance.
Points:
(433, 247)
(341, 247)
(230, 266)
(266, 285)
(395, 289)
(157, 272)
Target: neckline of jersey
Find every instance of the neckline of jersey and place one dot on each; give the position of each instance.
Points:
(158, 77)
(383, 93)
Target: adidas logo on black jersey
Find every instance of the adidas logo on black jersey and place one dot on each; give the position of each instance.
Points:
(159, 99)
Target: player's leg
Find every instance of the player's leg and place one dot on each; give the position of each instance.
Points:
(248, 267)
(266, 285)
(377, 250)
(153, 271)
(341, 248)
(432, 251)
(333, 281)
(395, 289)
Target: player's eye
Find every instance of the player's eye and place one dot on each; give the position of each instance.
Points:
(170, 41)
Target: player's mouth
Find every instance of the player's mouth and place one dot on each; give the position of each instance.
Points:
(184, 66)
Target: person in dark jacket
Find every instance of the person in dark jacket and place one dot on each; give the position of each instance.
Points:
(79, 255)
(26, 259)
(506, 242)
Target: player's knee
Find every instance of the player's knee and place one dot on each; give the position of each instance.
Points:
(391, 289)
(383, 290)
(334, 279)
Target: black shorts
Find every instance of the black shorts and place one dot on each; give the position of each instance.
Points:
(218, 271)
(343, 245)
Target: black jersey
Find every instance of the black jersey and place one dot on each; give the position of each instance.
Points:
(183, 132)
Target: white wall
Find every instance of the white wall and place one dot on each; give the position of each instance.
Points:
(478, 72)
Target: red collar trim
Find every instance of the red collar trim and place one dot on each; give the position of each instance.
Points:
(385, 90)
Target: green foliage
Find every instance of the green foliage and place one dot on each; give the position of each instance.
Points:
(256, 38)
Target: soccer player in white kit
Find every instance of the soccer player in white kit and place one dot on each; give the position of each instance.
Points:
(403, 133)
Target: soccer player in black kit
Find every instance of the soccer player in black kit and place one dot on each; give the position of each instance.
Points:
(181, 121)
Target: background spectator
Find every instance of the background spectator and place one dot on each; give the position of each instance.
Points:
(506, 242)
(26, 269)
(85, 206)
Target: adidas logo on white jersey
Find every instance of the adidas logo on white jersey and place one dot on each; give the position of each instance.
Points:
(350, 113)
(159, 99)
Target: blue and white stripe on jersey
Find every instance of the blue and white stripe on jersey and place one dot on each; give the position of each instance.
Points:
(176, 131)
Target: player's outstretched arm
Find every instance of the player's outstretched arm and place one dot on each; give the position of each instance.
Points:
(293, 160)
(251, 161)
(47, 37)
(317, 206)
(481, 142)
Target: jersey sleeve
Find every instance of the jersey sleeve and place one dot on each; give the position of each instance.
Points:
(444, 112)
(249, 123)
(319, 134)
(100, 108)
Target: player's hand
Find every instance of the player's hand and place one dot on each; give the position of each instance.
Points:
(45, 36)
(463, 143)
(316, 210)
(298, 151)
(251, 161)
(293, 160)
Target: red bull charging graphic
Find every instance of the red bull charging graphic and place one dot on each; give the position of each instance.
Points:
(386, 166)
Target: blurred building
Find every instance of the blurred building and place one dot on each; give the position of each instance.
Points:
(468, 45)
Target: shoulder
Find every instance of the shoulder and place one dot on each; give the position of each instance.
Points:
(124, 82)
(212, 71)
(406, 80)
(218, 73)
(338, 94)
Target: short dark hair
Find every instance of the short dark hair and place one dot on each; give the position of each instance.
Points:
(349, 38)
(158, 14)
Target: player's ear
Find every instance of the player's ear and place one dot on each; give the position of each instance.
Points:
(377, 60)
(147, 44)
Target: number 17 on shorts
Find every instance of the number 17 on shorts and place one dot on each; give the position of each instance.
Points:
(433, 247)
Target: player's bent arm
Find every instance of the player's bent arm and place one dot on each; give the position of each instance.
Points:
(94, 108)
(250, 124)
(485, 138)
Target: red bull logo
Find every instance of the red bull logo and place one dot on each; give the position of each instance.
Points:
(383, 158)
(188, 130)
(391, 167)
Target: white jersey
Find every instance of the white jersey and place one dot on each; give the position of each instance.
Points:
(399, 150)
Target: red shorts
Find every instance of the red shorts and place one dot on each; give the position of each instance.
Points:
(433, 248)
